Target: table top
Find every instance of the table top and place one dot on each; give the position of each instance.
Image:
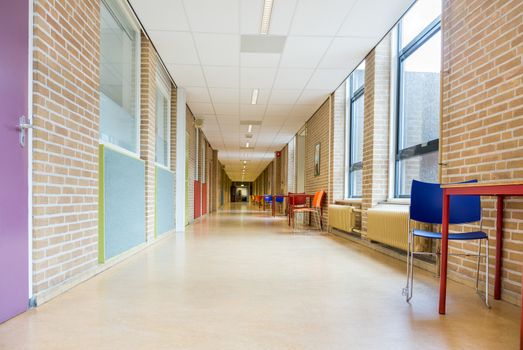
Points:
(483, 184)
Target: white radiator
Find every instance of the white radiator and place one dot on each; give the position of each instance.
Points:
(342, 217)
(389, 225)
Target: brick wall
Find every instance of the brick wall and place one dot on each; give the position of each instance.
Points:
(482, 120)
(66, 100)
(191, 141)
(376, 127)
(318, 132)
(337, 145)
(148, 71)
(291, 165)
(172, 154)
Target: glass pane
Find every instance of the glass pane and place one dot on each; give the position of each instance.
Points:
(420, 94)
(358, 77)
(162, 128)
(417, 18)
(355, 183)
(423, 168)
(118, 74)
(356, 137)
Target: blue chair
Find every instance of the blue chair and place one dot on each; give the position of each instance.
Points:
(426, 203)
(268, 199)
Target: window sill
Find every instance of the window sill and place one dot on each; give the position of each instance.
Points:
(348, 201)
(397, 201)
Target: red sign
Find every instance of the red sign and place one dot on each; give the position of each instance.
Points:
(278, 154)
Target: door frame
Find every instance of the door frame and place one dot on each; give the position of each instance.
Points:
(31, 298)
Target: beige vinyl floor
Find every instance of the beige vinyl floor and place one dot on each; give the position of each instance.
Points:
(241, 279)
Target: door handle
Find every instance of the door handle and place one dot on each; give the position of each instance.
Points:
(23, 125)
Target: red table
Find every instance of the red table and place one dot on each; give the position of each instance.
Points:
(500, 190)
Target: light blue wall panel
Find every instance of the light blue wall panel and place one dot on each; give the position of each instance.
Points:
(124, 202)
(164, 200)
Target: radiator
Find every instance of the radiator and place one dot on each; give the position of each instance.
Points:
(389, 225)
(342, 217)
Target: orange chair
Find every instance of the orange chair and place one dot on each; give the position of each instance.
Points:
(315, 209)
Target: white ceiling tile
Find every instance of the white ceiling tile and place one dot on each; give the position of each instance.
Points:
(292, 78)
(201, 108)
(281, 17)
(327, 79)
(250, 16)
(346, 53)
(213, 16)
(252, 112)
(197, 94)
(218, 49)
(284, 96)
(304, 52)
(222, 95)
(279, 109)
(313, 97)
(187, 75)
(161, 14)
(323, 18)
(384, 16)
(226, 108)
(267, 60)
(226, 77)
(175, 47)
(261, 78)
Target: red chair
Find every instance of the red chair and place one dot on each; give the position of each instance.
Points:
(295, 200)
(315, 210)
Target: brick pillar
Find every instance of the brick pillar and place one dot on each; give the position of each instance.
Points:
(148, 129)
(376, 127)
(291, 165)
(337, 145)
(174, 100)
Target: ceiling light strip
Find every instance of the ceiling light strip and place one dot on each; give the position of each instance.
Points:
(266, 17)
(254, 98)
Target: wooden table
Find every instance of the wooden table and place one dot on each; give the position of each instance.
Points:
(499, 190)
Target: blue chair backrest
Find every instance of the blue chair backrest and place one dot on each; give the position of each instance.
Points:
(279, 199)
(267, 198)
(426, 203)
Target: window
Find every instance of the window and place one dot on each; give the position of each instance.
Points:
(355, 103)
(163, 116)
(418, 107)
(119, 74)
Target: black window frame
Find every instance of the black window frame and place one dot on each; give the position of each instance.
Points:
(403, 54)
(353, 97)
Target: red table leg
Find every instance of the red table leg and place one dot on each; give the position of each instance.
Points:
(499, 246)
(444, 254)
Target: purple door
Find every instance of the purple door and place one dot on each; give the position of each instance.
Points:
(14, 58)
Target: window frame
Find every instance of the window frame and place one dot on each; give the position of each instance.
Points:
(352, 96)
(402, 55)
(122, 12)
(163, 84)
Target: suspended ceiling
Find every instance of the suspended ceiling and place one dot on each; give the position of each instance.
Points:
(214, 50)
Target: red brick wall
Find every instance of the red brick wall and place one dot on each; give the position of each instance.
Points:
(482, 120)
(66, 79)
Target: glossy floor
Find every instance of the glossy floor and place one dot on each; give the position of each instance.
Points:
(241, 279)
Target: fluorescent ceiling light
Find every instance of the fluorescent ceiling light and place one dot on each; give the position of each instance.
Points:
(244, 162)
(254, 97)
(247, 145)
(266, 17)
(250, 128)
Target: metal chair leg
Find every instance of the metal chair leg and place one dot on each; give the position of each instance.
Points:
(487, 274)
(477, 266)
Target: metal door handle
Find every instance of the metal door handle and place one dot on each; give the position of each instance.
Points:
(23, 124)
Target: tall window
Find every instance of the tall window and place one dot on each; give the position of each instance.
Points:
(419, 54)
(119, 74)
(355, 104)
(163, 116)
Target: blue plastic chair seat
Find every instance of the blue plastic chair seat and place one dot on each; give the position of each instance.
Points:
(465, 236)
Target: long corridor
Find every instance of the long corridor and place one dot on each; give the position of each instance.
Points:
(240, 279)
